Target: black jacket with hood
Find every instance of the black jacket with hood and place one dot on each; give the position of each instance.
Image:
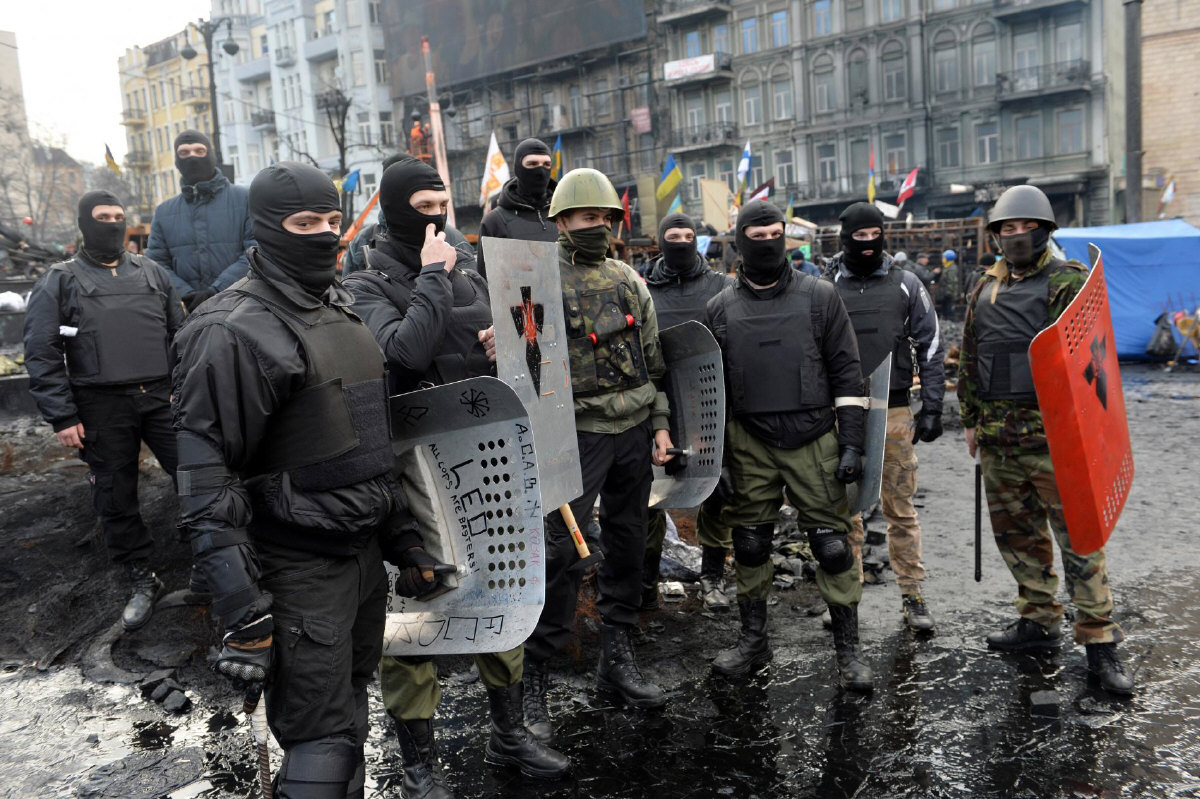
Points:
(517, 217)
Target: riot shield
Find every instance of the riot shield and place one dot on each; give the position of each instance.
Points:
(1078, 383)
(865, 493)
(695, 386)
(531, 354)
(471, 474)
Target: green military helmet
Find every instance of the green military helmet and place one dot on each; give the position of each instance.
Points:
(584, 188)
(1022, 202)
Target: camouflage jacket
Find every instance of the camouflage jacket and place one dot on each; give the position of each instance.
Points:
(1010, 424)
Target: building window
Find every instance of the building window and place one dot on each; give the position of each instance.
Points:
(987, 143)
(364, 128)
(641, 91)
(604, 156)
(945, 67)
(374, 12)
(691, 44)
(855, 15)
(947, 144)
(720, 36)
(785, 168)
(752, 104)
(387, 131)
(381, 68)
(856, 77)
(695, 175)
(895, 153)
(943, 5)
(822, 17)
(750, 35)
(1029, 137)
(895, 83)
(725, 172)
(646, 146)
(1025, 54)
(891, 10)
(827, 162)
(1068, 43)
(353, 14)
(984, 62)
(603, 104)
(264, 44)
(575, 103)
(358, 69)
(825, 91)
(781, 98)
(755, 177)
(723, 105)
(693, 105)
(1070, 131)
(779, 29)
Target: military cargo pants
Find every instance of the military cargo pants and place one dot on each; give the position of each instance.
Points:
(761, 474)
(1022, 498)
(896, 498)
(410, 685)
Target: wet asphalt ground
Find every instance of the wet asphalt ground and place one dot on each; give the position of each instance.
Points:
(948, 718)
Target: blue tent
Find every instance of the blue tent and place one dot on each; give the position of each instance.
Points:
(1151, 267)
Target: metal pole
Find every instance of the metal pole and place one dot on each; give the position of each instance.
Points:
(435, 125)
(208, 31)
(1133, 110)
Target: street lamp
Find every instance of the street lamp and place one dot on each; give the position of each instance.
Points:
(206, 31)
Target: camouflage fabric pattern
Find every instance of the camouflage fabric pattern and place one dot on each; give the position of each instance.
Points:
(896, 497)
(1009, 424)
(1022, 498)
(597, 304)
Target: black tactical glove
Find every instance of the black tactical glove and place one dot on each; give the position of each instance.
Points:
(246, 652)
(193, 299)
(724, 489)
(419, 572)
(849, 467)
(929, 427)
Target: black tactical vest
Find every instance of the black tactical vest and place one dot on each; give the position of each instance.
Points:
(684, 300)
(461, 355)
(878, 309)
(604, 329)
(773, 362)
(334, 431)
(1007, 317)
(121, 334)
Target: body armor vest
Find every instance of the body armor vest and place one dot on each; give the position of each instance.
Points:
(772, 360)
(878, 309)
(121, 332)
(1007, 317)
(604, 329)
(334, 431)
(684, 300)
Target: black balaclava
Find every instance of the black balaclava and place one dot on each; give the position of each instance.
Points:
(278, 192)
(405, 225)
(533, 182)
(195, 169)
(857, 217)
(1023, 250)
(102, 241)
(763, 260)
(678, 256)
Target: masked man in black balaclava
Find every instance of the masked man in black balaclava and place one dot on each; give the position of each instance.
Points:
(429, 310)
(792, 368)
(892, 313)
(286, 485)
(202, 234)
(681, 283)
(111, 314)
(524, 202)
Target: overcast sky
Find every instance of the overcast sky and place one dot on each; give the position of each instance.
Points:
(69, 50)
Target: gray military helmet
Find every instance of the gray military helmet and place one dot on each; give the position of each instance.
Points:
(1022, 202)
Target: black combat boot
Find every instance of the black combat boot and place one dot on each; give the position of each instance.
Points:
(751, 652)
(535, 682)
(513, 745)
(853, 671)
(618, 678)
(423, 777)
(1105, 664)
(145, 589)
(916, 614)
(712, 579)
(1024, 635)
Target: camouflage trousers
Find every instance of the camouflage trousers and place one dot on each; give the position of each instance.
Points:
(411, 689)
(896, 497)
(709, 533)
(1022, 498)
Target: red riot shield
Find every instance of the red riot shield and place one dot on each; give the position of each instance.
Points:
(1078, 384)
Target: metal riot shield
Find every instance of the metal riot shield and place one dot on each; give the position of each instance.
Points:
(695, 386)
(1078, 383)
(865, 493)
(471, 474)
(531, 354)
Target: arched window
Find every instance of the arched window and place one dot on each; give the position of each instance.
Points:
(895, 72)
(945, 63)
(856, 77)
(824, 88)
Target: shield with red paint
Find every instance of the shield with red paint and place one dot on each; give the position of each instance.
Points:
(1078, 382)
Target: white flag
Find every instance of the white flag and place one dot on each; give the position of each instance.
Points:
(743, 168)
(495, 171)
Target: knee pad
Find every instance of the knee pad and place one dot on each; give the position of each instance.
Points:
(320, 769)
(831, 550)
(752, 545)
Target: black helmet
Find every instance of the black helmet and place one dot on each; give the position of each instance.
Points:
(1022, 202)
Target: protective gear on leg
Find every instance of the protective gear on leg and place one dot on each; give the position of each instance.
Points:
(513, 745)
(618, 678)
(535, 681)
(853, 671)
(1105, 664)
(752, 545)
(145, 589)
(320, 769)
(712, 579)
(422, 775)
(751, 652)
(831, 549)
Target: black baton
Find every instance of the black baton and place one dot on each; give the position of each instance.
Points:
(978, 518)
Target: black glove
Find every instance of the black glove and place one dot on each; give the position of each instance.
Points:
(193, 299)
(929, 427)
(246, 652)
(849, 467)
(724, 489)
(419, 572)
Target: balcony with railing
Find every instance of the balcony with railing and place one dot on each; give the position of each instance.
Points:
(1011, 8)
(322, 48)
(1065, 76)
(134, 117)
(138, 158)
(702, 137)
(254, 70)
(674, 11)
(284, 57)
(262, 120)
(195, 97)
(688, 71)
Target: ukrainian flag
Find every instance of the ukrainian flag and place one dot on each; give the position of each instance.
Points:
(556, 159)
(112, 162)
(667, 193)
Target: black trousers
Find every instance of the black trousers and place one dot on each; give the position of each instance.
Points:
(329, 619)
(115, 423)
(617, 469)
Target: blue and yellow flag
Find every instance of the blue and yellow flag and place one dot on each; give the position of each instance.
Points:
(350, 182)
(667, 193)
(556, 159)
(871, 176)
(112, 162)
